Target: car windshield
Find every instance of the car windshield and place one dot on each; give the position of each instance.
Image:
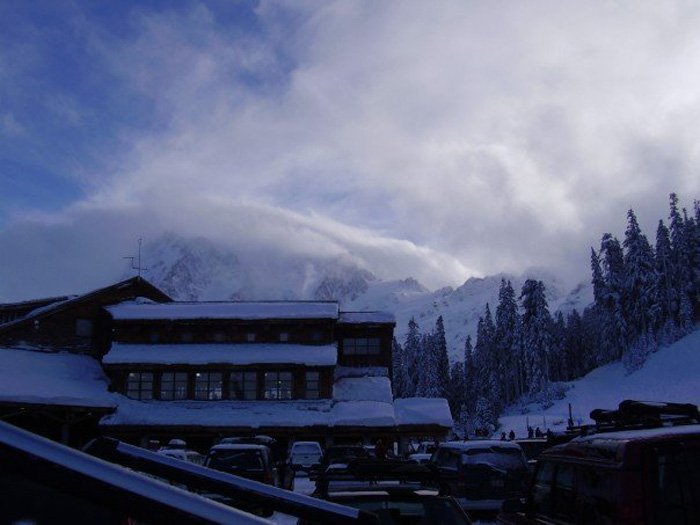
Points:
(306, 449)
(232, 460)
(499, 457)
(410, 511)
(344, 453)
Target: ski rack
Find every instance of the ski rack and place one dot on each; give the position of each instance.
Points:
(632, 414)
(376, 471)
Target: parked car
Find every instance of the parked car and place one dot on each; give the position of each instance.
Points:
(245, 460)
(481, 474)
(618, 471)
(393, 490)
(533, 448)
(304, 454)
(423, 452)
(177, 448)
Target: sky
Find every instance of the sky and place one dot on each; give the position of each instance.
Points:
(434, 140)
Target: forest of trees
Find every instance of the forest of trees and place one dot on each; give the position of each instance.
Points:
(644, 297)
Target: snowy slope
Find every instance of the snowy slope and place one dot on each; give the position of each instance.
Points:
(198, 269)
(671, 374)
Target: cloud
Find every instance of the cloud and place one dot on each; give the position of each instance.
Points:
(486, 136)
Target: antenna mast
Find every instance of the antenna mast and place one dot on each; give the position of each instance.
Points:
(137, 266)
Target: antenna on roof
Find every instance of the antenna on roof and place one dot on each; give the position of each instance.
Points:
(137, 266)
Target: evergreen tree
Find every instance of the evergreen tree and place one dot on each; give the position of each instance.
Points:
(442, 360)
(470, 376)
(537, 344)
(507, 343)
(680, 262)
(398, 371)
(456, 389)
(666, 297)
(428, 378)
(639, 294)
(412, 354)
(615, 327)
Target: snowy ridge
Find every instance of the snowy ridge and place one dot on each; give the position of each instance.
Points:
(671, 374)
(201, 270)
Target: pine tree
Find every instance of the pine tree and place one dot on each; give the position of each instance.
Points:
(639, 289)
(615, 328)
(412, 354)
(666, 296)
(442, 360)
(456, 389)
(507, 343)
(428, 379)
(398, 371)
(680, 263)
(470, 376)
(537, 344)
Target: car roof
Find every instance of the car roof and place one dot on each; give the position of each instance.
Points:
(238, 446)
(479, 443)
(610, 446)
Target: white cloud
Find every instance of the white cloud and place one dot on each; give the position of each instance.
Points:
(495, 134)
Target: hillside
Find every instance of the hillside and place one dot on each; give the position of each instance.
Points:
(671, 374)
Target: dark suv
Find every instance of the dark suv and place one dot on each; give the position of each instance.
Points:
(481, 474)
(639, 464)
(249, 461)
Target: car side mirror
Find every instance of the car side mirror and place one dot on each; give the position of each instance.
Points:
(513, 506)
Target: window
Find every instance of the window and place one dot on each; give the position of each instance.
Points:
(155, 337)
(139, 385)
(312, 382)
(83, 327)
(207, 385)
(250, 337)
(219, 337)
(284, 337)
(186, 337)
(316, 336)
(361, 346)
(173, 385)
(278, 385)
(243, 385)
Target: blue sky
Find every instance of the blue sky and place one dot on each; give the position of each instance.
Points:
(438, 142)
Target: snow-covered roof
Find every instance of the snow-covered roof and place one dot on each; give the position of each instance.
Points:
(130, 310)
(221, 353)
(280, 414)
(367, 318)
(423, 411)
(53, 379)
(360, 371)
(363, 389)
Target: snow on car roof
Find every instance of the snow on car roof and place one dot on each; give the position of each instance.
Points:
(642, 433)
(220, 353)
(238, 446)
(480, 443)
(131, 310)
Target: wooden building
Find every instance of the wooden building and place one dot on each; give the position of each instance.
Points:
(149, 368)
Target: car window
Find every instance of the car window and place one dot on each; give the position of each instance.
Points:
(499, 457)
(542, 488)
(564, 495)
(677, 487)
(305, 449)
(228, 460)
(597, 494)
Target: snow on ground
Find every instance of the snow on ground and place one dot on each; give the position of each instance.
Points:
(671, 374)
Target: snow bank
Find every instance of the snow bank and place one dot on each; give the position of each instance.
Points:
(671, 374)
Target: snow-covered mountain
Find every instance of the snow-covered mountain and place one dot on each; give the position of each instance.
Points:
(199, 269)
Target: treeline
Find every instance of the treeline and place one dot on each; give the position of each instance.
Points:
(644, 296)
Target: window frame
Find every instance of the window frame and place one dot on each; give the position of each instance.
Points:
(142, 391)
(210, 389)
(274, 393)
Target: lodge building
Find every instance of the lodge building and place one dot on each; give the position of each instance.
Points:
(129, 362)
